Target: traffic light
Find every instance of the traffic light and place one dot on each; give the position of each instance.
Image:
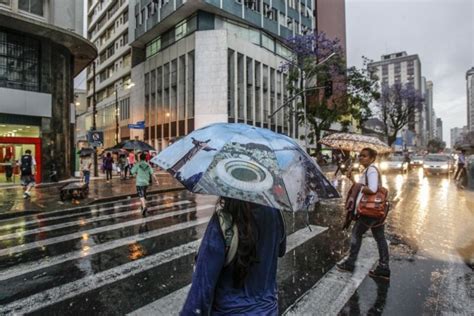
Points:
(328, 89)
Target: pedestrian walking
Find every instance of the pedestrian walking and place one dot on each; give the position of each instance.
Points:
(8, 163)
(86, 165)
(461, 164)
(108, 165)
(131, 160)
(27, 165)
(144, 174)
(369, 185)
(235, 271)
(123, 166)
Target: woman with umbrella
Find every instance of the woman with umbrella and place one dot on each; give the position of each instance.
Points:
(256, 173)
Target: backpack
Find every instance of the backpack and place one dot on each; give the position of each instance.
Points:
(26, 162)
(231, 235)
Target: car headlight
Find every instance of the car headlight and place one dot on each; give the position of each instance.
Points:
(425, 166)
(356, 165)
(399, 165)
(444, 167)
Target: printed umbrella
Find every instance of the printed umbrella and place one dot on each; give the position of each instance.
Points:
(355, 142)
(246, 163)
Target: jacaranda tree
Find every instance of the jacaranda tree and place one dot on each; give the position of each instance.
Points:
(397, 106)
(333, 92)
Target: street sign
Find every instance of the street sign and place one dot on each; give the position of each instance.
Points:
(95, 138)
(136, 126)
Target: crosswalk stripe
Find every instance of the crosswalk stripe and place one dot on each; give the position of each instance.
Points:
(78, 211)
(329, 295)
(172, 303)
(87, 221)
(48, 262)
(72, 289)
(80, 234)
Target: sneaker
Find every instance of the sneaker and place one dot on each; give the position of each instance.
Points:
(26, 195)
(345, 267)
(380, 272)
(144, 210)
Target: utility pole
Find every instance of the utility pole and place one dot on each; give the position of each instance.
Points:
(116, 116)
(94, 122)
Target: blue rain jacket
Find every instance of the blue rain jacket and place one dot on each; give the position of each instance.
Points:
(212, 290)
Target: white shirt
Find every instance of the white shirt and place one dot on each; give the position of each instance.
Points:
(373, 179)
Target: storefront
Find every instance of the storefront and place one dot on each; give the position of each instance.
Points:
(14, 141)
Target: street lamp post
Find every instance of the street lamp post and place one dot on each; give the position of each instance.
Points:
(117, 112)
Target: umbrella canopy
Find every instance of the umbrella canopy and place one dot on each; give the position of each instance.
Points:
(246, 163)
(135, 145)
(355, 142)
(86, 151)
(115, 150)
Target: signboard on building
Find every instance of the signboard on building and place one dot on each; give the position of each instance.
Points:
(137, 125)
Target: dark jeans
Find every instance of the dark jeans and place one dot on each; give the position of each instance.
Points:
(87, 176)
(360, 227)
(108, 174)
(458, 171)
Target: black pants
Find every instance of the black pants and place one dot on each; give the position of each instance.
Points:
(108, 174)
(458, 171)
(360, 227)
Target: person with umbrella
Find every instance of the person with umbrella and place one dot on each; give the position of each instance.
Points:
(369, 183)
(256, 173)
(86, 165)
(144, 174)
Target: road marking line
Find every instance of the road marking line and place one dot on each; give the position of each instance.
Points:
(84, 210)
(172, 303)
(46, 263)
(331, 293)
(88, 220)
(80, 234)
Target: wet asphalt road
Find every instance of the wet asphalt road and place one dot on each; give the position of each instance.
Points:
(107, 259)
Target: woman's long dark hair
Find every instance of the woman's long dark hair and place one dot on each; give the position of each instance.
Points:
(247, 250)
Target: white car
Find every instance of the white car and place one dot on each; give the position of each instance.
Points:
(394, 163)
(437, 164)
(416, 161)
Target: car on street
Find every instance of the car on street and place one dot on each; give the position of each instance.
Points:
(416, 161)
(394, 163)
(437, 164)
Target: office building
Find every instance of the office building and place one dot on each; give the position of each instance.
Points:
(41, 52)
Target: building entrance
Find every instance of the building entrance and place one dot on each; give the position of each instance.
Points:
(12, 146)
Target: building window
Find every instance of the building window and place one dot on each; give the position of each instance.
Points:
(230, 83)
(19, 62)
(31, 6)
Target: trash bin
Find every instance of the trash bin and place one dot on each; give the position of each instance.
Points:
(470, 172)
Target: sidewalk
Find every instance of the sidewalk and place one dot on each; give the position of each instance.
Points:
(46, 197)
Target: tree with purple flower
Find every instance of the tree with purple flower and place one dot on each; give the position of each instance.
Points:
(330, 91)
(397, 107)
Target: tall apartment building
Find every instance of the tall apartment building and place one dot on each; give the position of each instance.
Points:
(470, 98)
(439, 129)
(457, 133)
(107, 28)
(197, 62)
(405, 69)
(41, 52)
(428, 96)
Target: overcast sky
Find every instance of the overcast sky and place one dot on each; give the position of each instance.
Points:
(441, 32)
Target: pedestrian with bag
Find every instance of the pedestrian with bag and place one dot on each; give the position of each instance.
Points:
(86, 165)
(461, 164)
(369, 211)
(235, 271)
(144, 175)
(108, 166)
(27, 165)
